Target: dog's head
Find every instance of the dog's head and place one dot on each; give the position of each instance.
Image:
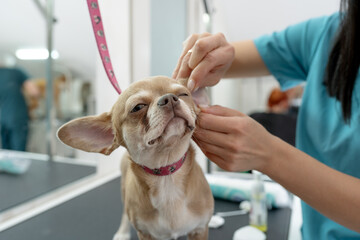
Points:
(153, 116)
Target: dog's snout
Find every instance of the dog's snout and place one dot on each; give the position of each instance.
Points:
(168, 100)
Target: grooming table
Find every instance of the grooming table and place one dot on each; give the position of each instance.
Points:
(96, 215)
(42, 177)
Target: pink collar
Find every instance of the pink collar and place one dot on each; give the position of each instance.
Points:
(167, 170)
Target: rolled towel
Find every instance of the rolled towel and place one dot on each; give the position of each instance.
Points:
(238, 189)
(10, 163)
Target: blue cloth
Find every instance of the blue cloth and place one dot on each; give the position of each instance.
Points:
(300, 54)
(13, 109)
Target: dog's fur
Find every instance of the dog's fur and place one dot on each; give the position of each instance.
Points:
(154, 120)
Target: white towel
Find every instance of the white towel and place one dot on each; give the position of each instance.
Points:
(238, 189)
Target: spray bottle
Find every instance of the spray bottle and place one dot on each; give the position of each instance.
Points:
(258, 212)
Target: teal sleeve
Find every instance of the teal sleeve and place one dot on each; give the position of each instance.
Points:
(288, 54)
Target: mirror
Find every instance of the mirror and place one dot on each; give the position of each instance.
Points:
(25, 171)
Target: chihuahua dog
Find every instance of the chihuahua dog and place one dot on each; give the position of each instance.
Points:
(164, 191)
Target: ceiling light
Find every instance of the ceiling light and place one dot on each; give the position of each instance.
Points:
(35, 54)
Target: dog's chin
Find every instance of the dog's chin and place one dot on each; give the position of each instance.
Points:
(176, 130)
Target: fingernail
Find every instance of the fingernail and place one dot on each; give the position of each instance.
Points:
(203, 106)
(191, 85)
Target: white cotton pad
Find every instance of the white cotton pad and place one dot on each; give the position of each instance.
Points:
(216, 221)
(249, 233)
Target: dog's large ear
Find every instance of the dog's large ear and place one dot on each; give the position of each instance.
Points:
(90, 134)
(200, 97)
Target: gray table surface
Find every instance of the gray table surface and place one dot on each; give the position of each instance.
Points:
(42, 177)
(96, 215)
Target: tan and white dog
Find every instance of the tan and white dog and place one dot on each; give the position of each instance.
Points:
(164, 191)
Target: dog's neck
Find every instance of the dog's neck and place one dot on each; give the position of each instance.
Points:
(166, 170)
(163, 160)
(160, 156)
(166, 189)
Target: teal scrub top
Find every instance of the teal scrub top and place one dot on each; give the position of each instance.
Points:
(300, 54)
(13, 108)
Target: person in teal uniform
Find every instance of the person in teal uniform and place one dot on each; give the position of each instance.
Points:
(14, 115)
(324, 168)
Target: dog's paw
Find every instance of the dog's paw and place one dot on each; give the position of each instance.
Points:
(122, 236)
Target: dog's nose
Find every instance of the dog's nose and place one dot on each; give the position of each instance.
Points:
(167, 100)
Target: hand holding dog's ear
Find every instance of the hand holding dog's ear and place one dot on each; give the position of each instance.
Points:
(233, 140)
(207, 62)
(90, 134)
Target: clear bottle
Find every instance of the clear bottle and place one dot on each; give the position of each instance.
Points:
(258, 212)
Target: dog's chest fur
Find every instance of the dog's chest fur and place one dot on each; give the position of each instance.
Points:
(174, 218)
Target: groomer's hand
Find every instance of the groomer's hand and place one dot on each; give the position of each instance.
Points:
(204, 60)
(233, 140)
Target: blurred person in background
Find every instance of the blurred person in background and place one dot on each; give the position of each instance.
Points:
(14, 116)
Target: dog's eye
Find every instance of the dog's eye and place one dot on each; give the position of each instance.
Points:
(137, 108)
(183, 94)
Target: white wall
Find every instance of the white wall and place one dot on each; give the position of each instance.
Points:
(248, 19)
(141, 39)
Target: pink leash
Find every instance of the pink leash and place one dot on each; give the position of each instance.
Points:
(99, 33)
